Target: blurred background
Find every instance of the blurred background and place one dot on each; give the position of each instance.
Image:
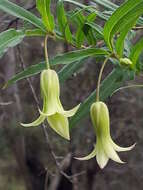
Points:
(26, 160)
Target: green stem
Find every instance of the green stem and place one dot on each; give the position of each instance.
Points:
(126, 87)
(99, 79)
(46, 52)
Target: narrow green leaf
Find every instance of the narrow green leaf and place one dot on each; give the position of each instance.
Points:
(34, 32)
(124, 14)
(44, 8)
(112, 6)
(89, 9)
(10, 38)
(98, 29)
(88, 32)
(79, 37)
(63, 22)
(107, 4)
(21, 13)
(135, 52)
(91, 17)
(123, 34)
(69, 69)
(78, 55)
(28, 72)
(66, 58)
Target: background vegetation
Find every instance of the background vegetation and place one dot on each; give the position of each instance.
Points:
(25, 158)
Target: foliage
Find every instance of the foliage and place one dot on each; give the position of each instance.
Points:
(80, 29)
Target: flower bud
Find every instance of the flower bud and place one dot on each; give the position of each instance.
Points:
(125, 62)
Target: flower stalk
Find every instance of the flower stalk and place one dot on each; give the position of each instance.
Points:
(46, 52)
(99, 80)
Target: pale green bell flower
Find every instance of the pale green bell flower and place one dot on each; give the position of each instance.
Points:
(53, 110)
(105, 148)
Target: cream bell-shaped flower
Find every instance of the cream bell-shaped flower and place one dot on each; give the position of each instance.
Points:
(105, 148)
(53, 110)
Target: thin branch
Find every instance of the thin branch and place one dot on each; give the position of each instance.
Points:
(5, 103)
(46, 180)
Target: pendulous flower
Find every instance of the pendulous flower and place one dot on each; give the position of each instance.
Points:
(53, 110)
(105, 148)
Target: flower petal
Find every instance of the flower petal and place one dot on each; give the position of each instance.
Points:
(91, 155)
(109, 150)
(51, 92)
(101, 156)
(46, 114)
(59, 124)
(71, 112)
(37, 122)
(122, 149)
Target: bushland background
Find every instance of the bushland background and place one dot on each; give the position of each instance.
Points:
(25, 157)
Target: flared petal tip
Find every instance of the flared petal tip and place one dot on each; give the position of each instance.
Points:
(131, 147)
(82, 158)
(88, 157)
(122, 149)
(71, 112)
(127, 148)
(25, 125)
(46, 114)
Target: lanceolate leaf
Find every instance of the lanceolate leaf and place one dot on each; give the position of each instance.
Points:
(105, 3)
(78, 55)
(69, 69)
(112, 6)
(10, 38)
(63, 22)
(34, 32)
(79, 37)
(114, 80)
(123, 34)
(67, 58)
(20, 12)
(135, 52)
(89, 9)
(124, 14)
(98, 29)
(44, 8)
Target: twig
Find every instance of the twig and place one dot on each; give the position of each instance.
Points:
(46, 180)
(5, 103)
